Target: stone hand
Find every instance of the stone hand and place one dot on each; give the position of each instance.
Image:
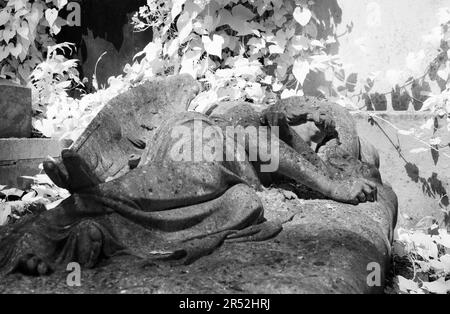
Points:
(78, 174)
(354, 191)
(286, 113)
(296, 113)
(32, 265)
(274, 118)
(322, 119)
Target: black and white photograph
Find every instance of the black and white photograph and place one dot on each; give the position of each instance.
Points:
(223, 152)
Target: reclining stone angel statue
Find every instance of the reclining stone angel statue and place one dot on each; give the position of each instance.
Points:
(130, 196)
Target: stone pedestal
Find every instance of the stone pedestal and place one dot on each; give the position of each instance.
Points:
(15, 111)
(22, 157)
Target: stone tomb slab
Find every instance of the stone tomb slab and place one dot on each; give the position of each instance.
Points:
(327, 248)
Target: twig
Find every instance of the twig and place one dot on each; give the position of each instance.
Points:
(373, 115)
(397, 147)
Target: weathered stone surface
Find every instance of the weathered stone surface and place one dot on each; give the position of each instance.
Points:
(15, 111)
(191, 208)
(131, 119)
(325, 249)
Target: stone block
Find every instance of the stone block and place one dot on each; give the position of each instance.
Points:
(15, 111)
(22, 157)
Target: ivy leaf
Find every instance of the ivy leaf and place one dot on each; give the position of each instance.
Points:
(320, 62)
(424, 245)
(311, 30)
(176, 9)
(444, 240)
(4, 17)
(273, 49)
(444, 71)
(23, 54)
(300, 70)
(61, 3)
(4, 53)
(51, 15)
(24, 71)
(439, 286)
(255, 91)
(184, 25)
(317, 43)
(8, 33)
(208, 23)
(351, 82)
(190, 59)
(300, 42)
(214, 46)
(59, 23)
(279, 18)
(430, 104)
(276, 87)
(439, 266)
(45, 126)
(15, 50)
(445, 260)
(193, 8)
(241, 12)
(5, 211)
(280, 42)
(172, 47)
(64, 85)
(23, 30)
(302, 15)
(267, 80)
(406, 285)
(287, 93)
(18, 4)
(237, 24)
(33, 18)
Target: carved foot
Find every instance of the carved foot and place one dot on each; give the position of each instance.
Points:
(38, 245)
(36, 253)
(76, 176)
(84, 244)
(33, 265)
